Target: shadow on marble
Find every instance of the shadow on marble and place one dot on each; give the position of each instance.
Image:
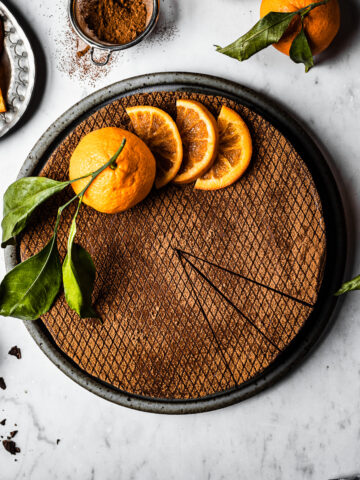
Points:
(166, 28)
(348, 33)
(41, 69)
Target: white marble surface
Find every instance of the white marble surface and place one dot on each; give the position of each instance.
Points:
(306, 427)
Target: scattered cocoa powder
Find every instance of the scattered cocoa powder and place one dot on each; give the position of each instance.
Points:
(72, 57)
(74, 60)
(115, 21)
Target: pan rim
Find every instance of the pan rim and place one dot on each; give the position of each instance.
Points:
(324, 311)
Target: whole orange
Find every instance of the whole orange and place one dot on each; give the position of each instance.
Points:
(321, 24)
(114, 190)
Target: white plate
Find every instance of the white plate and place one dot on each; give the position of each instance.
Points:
(19, 57)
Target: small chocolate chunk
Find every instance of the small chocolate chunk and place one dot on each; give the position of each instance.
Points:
(2, 383)
(3, 422)
(16, 352)
(12, 434)
(58, 441)
(11, 447)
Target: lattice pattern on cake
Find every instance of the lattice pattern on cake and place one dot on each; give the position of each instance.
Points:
(199, 291)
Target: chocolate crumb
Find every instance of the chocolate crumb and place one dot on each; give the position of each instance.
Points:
(12, 434)
(80, 53)
(3, 422)
(16, 352)
(2, 383)
(58, 441)
(11, 447)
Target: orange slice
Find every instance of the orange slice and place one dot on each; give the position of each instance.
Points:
(235, 150)
(200, 138)
(159, 131)
(2, 101)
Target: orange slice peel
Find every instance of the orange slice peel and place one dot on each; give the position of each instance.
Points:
(159, 131)
(234, 156)
(199, 134)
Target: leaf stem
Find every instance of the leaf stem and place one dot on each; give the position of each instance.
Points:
(75, 217)
(111, 163)
(93, 175)
(306, 10)
(311, 6)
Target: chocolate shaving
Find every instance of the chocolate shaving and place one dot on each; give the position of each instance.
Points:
(15, 352)
(11, 447)
(2, 383)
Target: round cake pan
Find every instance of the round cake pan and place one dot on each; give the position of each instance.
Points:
(333, 213)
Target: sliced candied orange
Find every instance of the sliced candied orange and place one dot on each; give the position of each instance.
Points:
(160, 133)
(2, 101)
(235, 150)
(200, 138)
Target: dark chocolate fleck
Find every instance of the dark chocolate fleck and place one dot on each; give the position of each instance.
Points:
(12, 434)
(3, 422)
(58, 441)
(16, 352)
(2, 383)
(11, 447)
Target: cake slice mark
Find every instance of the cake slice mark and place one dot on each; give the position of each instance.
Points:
(207, 319)
(298, 300)
(228, 300)
(278, 317)
(247, 351)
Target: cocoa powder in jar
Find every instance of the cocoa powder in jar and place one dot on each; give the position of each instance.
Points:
(115, 21)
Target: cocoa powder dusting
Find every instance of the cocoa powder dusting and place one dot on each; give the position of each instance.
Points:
(72, 56)
(74, 59)
(174, 273)
(115, 21)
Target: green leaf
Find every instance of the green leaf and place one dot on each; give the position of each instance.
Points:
(265, 32)
(300, 51)
(21, 199)
(78, 276)
(353, 284)
(29, 290)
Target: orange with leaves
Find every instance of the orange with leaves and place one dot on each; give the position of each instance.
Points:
(321, 24)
